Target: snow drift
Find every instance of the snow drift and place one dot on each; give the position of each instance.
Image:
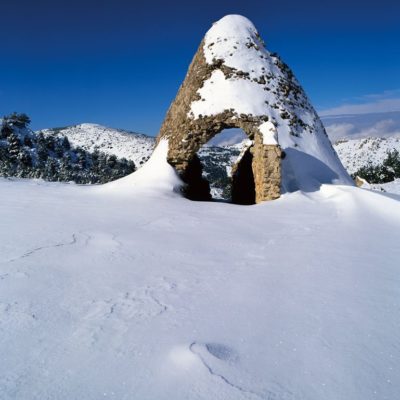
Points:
(156, 176)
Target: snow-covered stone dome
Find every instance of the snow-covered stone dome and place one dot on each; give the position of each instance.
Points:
(235, 82)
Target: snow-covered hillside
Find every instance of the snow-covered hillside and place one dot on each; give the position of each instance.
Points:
(127, 292)
(27, 154)
(124, 144)
(356, 153)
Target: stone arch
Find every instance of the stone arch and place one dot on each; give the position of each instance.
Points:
(187, 132)
(234, 81)
(255, 175)
(197, 187)
(242, 180)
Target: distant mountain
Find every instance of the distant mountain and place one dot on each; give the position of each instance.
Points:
(27, 154)
(358, 153)
(369, 147)
(121, 143)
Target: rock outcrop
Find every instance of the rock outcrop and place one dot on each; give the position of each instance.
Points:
(234, 82)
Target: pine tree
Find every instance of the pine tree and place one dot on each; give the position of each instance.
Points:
(65, 144)
(14, 146)
(20, 120)
(5, 130)
(25, 159)
(386, 172)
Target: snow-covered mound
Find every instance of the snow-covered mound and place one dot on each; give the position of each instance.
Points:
(140, 297)
(252, 81)
(124, 144)
(357, 153)
(155, 176)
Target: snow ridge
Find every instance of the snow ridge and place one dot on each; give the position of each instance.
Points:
(156, 176)
(357, 153)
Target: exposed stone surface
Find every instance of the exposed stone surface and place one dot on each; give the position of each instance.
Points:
(267, 170)
(234, 82)
(186, 135)
(360, 181)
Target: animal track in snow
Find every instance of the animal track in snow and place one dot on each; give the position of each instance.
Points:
(41, 248)
(16, 274)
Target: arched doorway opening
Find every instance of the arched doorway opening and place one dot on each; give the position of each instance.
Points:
(256, 175)
(226, 165)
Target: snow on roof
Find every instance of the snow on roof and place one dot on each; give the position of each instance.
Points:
(222, 94)
(260, 84)
(235, 40)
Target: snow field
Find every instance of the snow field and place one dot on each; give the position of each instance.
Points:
(139, 294)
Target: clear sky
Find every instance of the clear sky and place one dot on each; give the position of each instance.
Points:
(120, 63)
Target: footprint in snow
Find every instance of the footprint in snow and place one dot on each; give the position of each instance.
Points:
(222, 352)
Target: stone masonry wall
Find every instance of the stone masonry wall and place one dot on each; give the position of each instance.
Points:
(267, 170)
(186, 134)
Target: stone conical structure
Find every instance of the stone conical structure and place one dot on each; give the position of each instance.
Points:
(234, 82)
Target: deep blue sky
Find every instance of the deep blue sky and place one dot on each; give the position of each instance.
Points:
(120, 63)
